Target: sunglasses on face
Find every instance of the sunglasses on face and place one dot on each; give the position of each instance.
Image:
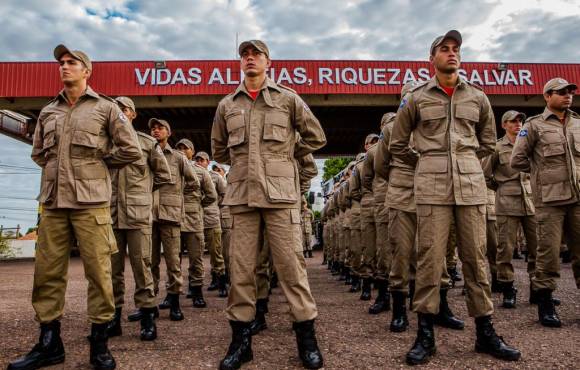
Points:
(564, 92)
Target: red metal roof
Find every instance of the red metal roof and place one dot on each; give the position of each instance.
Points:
(137, 78)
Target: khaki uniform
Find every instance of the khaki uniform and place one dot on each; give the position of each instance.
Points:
(226, 220)
(451, 255)
(131, 203)
(258, 139)
(74, 146)
(384, 250)
(513, 206)
(212, 226)
(450, 134)
(367, 215)
(400, 199)
(355, 196)
(307, 219)
(550, 150)
(168, 213)
(491, 232)
(345, 204)
(192, 237)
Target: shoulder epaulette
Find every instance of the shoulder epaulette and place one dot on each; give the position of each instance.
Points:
(145, 136)
(532, 117)
(574, 114)
(287, 88)
(477, 86)
(107, 98)
(420, 84)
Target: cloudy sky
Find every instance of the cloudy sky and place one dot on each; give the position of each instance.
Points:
(493, 30)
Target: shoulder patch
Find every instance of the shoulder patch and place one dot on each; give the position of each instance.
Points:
(123, 117)
(145, 136)
(477, 86)
(523, 133)
(403, 103)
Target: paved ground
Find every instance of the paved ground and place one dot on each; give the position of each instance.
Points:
(348, 336)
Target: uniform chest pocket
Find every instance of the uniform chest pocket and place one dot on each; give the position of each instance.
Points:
(552, 143)
(433, 119)
(467, 117)
(504, 158)
(236, 128)
(49, 135)
(276, 126)
(85, 140)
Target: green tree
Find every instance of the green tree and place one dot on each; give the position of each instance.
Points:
(5, 250)
(333, 166)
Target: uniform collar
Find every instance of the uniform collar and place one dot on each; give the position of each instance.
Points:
(265, 89)
(89, 92)
(168, 149)
(434, 83)
(505, 141)
(548, 113)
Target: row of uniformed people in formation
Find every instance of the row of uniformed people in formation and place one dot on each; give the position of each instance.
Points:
(423, 177)
(119, 192)
(532, 198)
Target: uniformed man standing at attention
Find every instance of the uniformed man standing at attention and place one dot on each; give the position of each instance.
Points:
(254, 130)
(452, 125)
(548, 146)
(79, 135)
(513, 206)
(167, 218)
(131, 205)
(192, 238)
(212, 228)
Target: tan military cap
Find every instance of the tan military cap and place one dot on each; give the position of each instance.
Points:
(185, 142)
(61, 50)
(125, 102)
(510, 115)
(158, 121)
(202, 155)
(558, 84)
(371, 137)
(453, 34)
(258, 44)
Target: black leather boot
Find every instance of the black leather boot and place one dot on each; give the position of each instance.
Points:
(165, 304)
(343, 270)
(399, 321)
(240, 349)
(487, 341)
(411, 292)
(547, 310)
(213, 285)
(534, 297)
(307, 345)
(189, 292)
(445, 317)
(329, 265)
(424, 346)
(114, 326)
(197, 297)
(274, 280)
(509, 295)
(336, 268)
(566, 256)
(382, 302)
(175, 313)
(222, 286)
(516, 254)
(454, 274)
(495, 285)
(355, 286)
(48, 351)
(310, 254)
(137, 315)
(259, 322)
(148, 327)
(100, 356)
(347, 276)
(366, 290)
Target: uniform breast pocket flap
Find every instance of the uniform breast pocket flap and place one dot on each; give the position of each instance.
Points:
(552, 143)
(276, 126)
(432, 119)
(236, 128)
